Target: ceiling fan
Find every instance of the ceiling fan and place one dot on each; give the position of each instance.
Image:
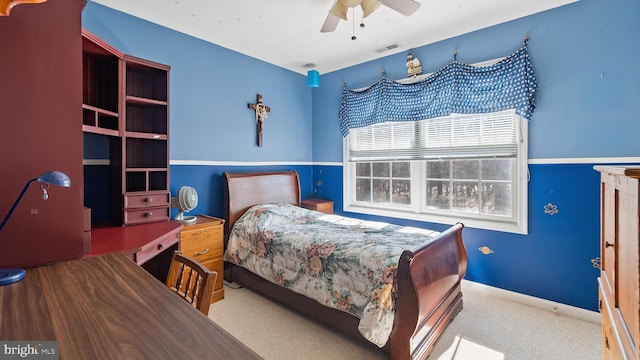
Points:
(339, 10)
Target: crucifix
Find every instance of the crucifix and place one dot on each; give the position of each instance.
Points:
(261, 114)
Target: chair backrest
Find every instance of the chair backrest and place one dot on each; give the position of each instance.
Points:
(192, 281)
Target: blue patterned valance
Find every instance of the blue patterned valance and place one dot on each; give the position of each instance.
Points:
(456, 88)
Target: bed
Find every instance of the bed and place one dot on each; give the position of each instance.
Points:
(425, 282)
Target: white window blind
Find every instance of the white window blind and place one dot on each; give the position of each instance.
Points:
(454, 136)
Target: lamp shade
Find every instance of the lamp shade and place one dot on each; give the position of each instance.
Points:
(313, 78)
(55, 178)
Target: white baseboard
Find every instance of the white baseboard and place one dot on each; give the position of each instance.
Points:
(558, 308)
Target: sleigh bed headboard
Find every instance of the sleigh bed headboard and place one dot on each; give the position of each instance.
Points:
(245, 189)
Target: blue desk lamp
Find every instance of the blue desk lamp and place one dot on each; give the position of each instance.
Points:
(8, 276)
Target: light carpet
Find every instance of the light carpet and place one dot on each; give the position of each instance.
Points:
(487, 328)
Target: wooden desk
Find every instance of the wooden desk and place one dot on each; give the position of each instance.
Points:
(139, 242)
(107, 307)
(149, 245)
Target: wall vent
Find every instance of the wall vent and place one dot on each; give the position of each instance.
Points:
(388, 47)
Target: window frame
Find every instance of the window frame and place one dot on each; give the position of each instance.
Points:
(517, 223)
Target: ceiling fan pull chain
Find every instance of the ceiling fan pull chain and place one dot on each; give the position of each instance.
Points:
(353, 14)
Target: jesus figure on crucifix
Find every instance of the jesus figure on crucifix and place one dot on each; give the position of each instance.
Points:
(261, 115)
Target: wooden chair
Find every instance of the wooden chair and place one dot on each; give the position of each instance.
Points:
(192, 281)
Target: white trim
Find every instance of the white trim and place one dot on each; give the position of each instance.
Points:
(237, 163)
(538, 303)
(449, 219)
(327, 163)
(603, 160)
(218, 163)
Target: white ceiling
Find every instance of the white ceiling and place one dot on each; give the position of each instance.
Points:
(287, 32)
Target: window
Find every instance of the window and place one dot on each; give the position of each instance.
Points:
(463, 167)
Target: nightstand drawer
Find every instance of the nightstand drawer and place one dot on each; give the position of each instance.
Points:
(202, 244)
(324, 206)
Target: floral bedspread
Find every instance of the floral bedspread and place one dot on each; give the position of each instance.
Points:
(343, 263)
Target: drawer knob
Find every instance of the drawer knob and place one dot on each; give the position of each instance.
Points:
(148, 200)
(161, 246)
(608, 244)
(149, 214)
(196, 253)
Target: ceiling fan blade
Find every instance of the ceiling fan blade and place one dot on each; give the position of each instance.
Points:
(330, 24)
(339, 9)
(404, 7)
(368, 6)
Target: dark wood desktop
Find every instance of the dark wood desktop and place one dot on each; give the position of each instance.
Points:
(107, 307)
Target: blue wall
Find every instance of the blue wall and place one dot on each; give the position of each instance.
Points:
(584, 58)
(211, 128)
(210, 89)
(584, 115)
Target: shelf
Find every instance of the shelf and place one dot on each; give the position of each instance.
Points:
(99, 131)
(158, 180)
(145, 153)
(99, 121)
(144, 101)
(100, 81)
(139, 135)
(145, 169)
(99, 110)
(140, 179)
(127, 99)
(144, 118)
(146, 82)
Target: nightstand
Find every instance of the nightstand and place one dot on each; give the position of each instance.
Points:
(203, 241)
(325, 206)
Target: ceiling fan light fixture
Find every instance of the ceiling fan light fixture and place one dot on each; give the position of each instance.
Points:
(350, 3)
(339, 9)
(369, 6)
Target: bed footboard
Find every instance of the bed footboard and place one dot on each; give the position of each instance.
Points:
(429, 294)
